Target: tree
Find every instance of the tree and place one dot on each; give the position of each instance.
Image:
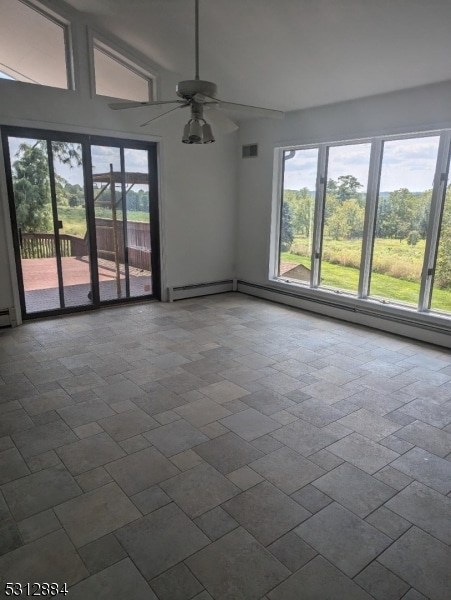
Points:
(31, 180)
(286, 230)
(443, 268)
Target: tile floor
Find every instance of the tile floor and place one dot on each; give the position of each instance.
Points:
(224, 448)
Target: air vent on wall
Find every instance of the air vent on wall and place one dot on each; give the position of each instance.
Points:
(250, 150)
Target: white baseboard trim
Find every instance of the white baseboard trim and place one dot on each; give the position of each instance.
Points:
(200, 289)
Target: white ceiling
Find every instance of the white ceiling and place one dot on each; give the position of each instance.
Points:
(289, 54)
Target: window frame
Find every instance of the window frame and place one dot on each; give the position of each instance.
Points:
(109, 48)
(362, 301)
(57, 18)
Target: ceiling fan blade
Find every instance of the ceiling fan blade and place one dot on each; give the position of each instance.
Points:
(255, 110)
(122, 105)
(219, 121)
(164, 114)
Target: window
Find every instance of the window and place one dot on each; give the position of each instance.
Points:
(370, 219)
(116, 77)
(33, 46)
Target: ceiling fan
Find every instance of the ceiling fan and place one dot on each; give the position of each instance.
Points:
(198, 95)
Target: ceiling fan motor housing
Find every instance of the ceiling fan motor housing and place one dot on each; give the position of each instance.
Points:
(189, 88)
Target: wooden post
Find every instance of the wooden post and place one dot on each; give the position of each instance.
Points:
(115, 238)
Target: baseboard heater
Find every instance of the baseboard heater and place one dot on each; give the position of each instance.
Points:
(8, 317)
(200, 289)
(430, 332)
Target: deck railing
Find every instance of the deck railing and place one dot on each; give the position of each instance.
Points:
(42, 245)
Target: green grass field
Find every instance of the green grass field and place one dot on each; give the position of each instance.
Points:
(74, 219)
(385, 286)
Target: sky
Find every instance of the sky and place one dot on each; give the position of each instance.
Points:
(406, 164)
(102, 157)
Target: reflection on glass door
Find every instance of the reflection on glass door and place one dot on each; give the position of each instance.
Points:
(122, 221)
(405, 192)
(49, 202)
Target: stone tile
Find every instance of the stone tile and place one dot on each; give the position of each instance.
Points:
(176, 584)
(363, 453)
(325, 459)
(266, 512)
(369, 424)
(216, 523)
(244, 478)
(90, 453)
(151, 499)
(316, 412)
(354, 489)
(397, 445)
(117, 392)
(96, 514)
(123, 406)
(93, 479)
(183, 382)
(12, 466)
(228, 453)
(176, 437)
(268, 402)
(166, 417)
(38, 525)
(223, 391)
(51, 558)
(114, 583)
(159, 400)
(102, 553)
(429, 411)
(422, 561)
(304, 438)
(224, 566)
(393, 478)
(426, 508)
(43, 461)
(35, 405)
(344, 539)
(134, 444)
(287, 469)
(414, 595)
(318, 580)
(250, 424)
(381, 583)
(81, 383)
(87, 430)
(266, 444)
(427, 468)
(161, 539)
(17, 391)
(138, 471)
(37, 492)
(311, 498)
(388, 522)
(186, 460)
(85, 412)
(128, 424)
(10, 538)
(327, 392)
(213, 430)
(14, 421)
(283, 417)
(199, 489)
(377, 401)
(292, 551)
(45, 437)
(6, 443)
(427, 437)
(201, 412)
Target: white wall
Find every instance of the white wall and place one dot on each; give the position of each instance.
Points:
(198, 183)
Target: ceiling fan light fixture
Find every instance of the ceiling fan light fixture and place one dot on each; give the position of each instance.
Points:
(195, 131)
(207, 134)
(185, 138)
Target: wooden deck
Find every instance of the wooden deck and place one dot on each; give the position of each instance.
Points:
(41, 282)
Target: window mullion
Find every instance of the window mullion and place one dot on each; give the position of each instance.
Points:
(320, 197)
(433, 233)
(372, 192)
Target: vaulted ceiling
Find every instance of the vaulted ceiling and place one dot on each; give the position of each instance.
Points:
(288, 54)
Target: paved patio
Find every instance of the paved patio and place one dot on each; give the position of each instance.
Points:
(41, 282)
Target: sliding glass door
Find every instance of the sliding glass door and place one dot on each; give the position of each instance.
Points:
(82, 209)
